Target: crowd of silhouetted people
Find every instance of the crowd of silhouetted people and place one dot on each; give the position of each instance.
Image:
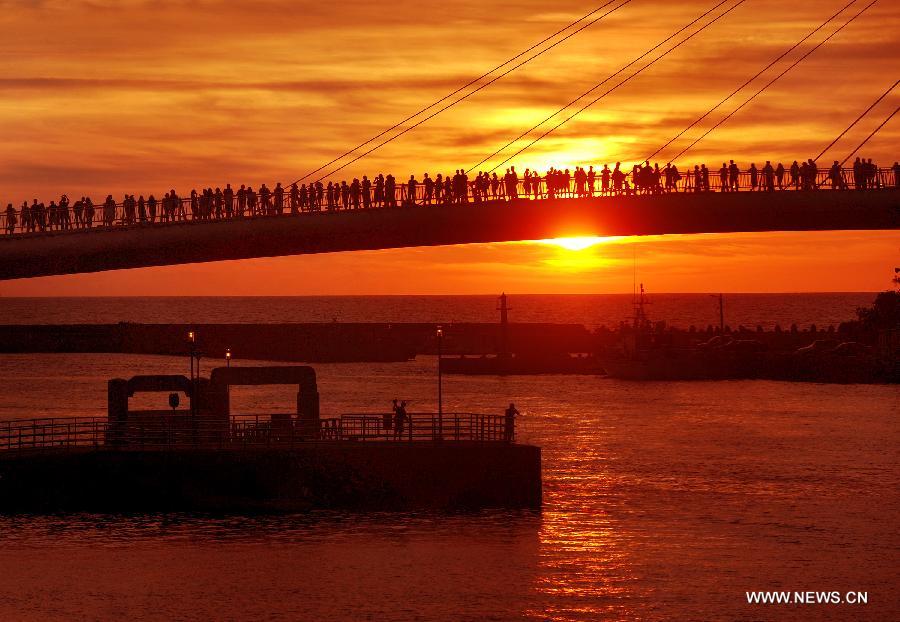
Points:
(384, 192)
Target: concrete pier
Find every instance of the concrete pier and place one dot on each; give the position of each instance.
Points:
(360, 476)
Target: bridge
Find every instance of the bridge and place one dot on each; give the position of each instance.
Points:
(130, 240)
(211, 226)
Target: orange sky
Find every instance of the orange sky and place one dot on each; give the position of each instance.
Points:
(100, 96)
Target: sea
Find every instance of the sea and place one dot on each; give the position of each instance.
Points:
(662, 500)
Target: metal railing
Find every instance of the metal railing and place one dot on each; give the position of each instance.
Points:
(418, 427)
(249, 431)
(76, 216)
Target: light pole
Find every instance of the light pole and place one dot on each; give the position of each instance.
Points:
(192, 338)
(440, 343)
(227, 357)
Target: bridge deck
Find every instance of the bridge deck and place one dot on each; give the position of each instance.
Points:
(133, 246)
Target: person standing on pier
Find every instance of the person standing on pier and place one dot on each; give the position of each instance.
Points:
(399, 421)
(510, 423)
(387, 421)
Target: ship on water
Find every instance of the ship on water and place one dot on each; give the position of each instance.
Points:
(648, 351)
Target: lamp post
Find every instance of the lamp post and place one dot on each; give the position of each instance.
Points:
(440, 344)
(192, 339)
(227, 357)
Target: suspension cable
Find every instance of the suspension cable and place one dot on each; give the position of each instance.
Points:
(635, 74)
(875, 131)
(594, 88)
(858, 119)
(773, 81)
(467, 95)
(748, 82)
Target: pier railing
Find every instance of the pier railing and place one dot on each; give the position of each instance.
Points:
(250, 431)
(418, 427)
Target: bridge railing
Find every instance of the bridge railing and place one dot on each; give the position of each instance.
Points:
(75, 217)
(249, 431)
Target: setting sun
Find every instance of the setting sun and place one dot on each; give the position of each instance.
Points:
(576, 244)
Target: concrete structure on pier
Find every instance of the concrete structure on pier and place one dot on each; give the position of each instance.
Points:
(96, 250)
(208, 416)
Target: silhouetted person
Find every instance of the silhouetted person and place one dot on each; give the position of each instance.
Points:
(151, 208)
(251, 202)
(769, 177)
(65, 221)
(411, 186)
(265, 201)
(723, 178)
(178, 212)
(779, 175)
(618, 177)
(295, 199)
(89, 212)
(390, 191)
(355, 192)
(241, 200)
(11, 219)
(128, 209)
(872, 170)
(387, 421)
(836, 176)
(509, 420)
(366, 192)
(78, 213)
(38, 216)
(279, 198)
(512, 183)
(812, 175)
(734, 176)
(795, 175)
(400, 420)
(345, 195)
(428, 184)
(378, 196)
(25, 218)
(305, 200)
(52, 215)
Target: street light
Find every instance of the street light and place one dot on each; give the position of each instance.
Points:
(227, 357)
(192, 339)
(440, 343)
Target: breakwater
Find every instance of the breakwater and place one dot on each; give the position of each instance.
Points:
(306, 342)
